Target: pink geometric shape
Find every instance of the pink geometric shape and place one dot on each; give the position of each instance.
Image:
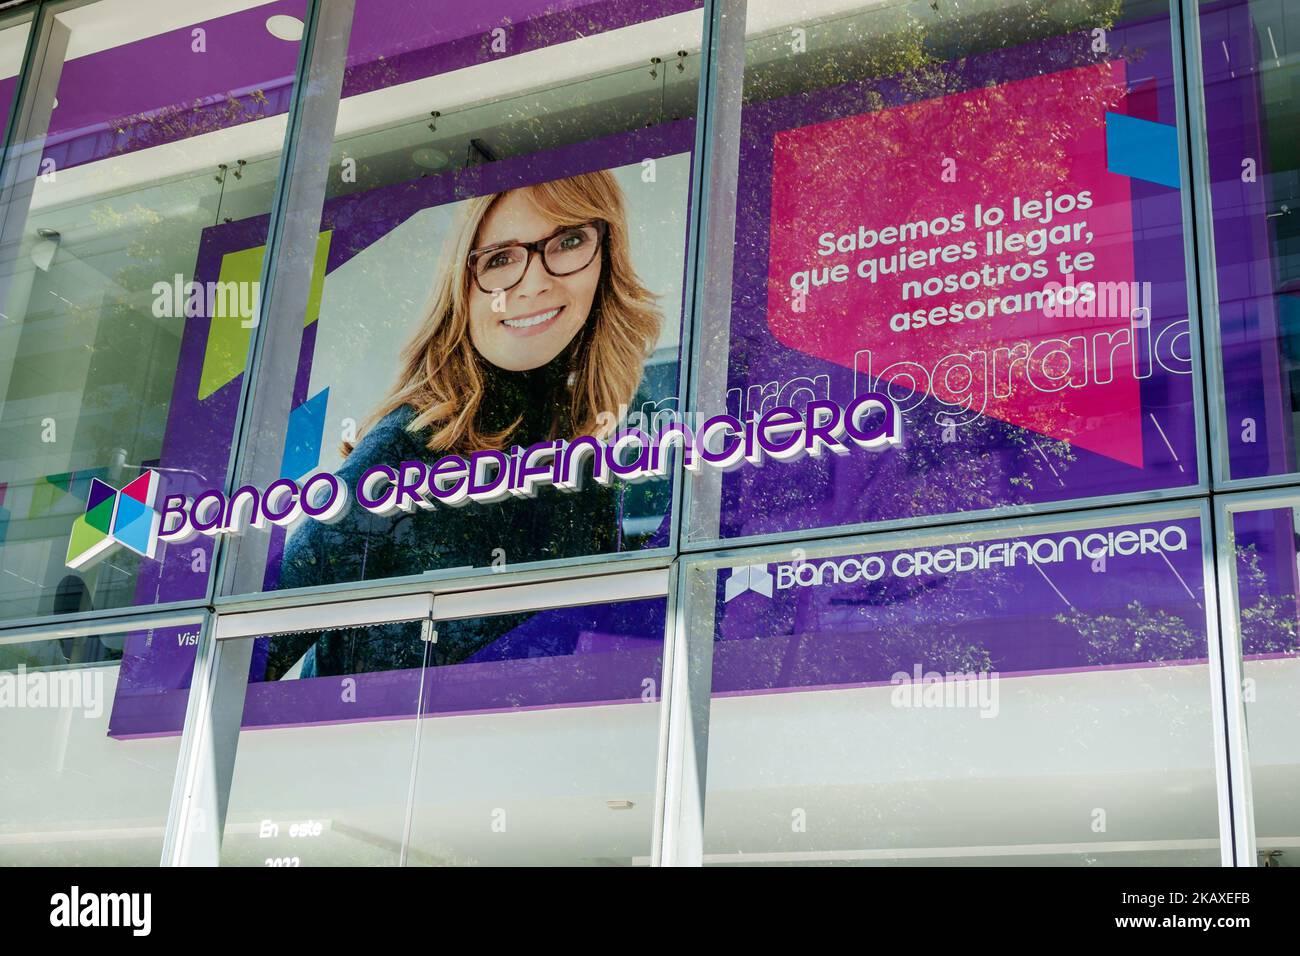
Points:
(887, 168)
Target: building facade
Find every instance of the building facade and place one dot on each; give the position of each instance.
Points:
(649, 432)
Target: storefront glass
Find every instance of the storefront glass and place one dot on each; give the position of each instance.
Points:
(976, 210)
(1265, 615)
(126, 330)
(523, 738)
(427, 337)
(1039, 694)
(88, 746)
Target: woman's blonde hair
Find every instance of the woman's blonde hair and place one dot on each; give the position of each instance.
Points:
(440, 375)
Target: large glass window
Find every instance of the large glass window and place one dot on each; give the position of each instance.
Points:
(90, 726)
(976, 210)
(323, 766)
(1253, 162)
(1266, 620)
(525, 737)
(499, 265)
(146, 129)
(540, 749)
(1029, 694)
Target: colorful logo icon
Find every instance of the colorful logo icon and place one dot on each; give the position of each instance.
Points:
(752, 577)
(113, 517)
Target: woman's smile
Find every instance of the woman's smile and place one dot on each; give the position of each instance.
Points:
(533, 322)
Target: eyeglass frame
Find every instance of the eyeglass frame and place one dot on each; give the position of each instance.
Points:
(536, 247)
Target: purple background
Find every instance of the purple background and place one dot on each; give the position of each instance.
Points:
(862, 633)
(934, 478)
(197, 442)
(1252, 309)
(159, 90)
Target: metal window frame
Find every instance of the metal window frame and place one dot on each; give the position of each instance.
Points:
(210, 741)
(704, 361)
(1226, 506)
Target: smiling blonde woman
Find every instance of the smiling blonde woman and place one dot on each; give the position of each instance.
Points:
(538, 328)
(536, 274)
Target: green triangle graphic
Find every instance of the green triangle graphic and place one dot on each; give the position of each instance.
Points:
(83, 538)
(100, 517)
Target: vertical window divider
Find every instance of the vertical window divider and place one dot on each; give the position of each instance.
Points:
(1242, 796)
(1231, 762)
(286, 274)
(1200, 218)
(683, 747)
(715, 170)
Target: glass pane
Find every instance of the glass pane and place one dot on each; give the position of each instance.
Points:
(1040, 697)
(976, 210)
(1253, 141)
(1268, 614)
(496, 125)
(127, 323)
(324, 760)
(89, 737)
(539, 739)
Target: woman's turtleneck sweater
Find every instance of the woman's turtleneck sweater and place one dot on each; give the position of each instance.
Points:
(365, 546)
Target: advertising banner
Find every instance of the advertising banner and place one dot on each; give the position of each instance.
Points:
(996, 243)
(1104, 597)
(381, 254)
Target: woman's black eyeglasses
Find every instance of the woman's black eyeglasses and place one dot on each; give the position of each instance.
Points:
(568, 250)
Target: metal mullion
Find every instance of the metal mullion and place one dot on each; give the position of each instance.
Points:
(1197, 196)
(58, 628)
(107, 617)
(1234, 716)
(209, 744)
(568, 592)
(713, 192)
(290, 163)
(452, 580)
(681, 791)
(659, 833)
(1225, 697)
(284, 620)
(186, 769)
(1184, 82)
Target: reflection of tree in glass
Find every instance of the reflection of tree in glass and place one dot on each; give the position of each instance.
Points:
(178, 121)
(1268, 625)
(874, 631)
(1141, 636)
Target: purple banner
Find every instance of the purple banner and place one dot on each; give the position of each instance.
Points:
(1017, 404)
(1113, 596)
(197, 442)
(232, 70)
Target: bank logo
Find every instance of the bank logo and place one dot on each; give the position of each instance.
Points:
(753, 577)
(112, 518)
